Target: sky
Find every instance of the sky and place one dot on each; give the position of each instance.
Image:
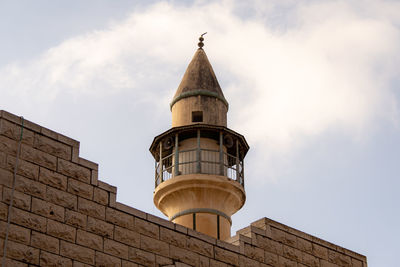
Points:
(312, 85)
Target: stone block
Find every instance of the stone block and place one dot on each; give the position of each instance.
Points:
(100, 227)
(309, 260)
(160, 221)
(214, 263)
(13, 131)
(292, 253)
(320, 251)
(22, 252)
(68, 141)
(269, 245)
(13, 263)
(45, 242)
(324, 263)
(94, 179)
(271, 258)
(199, 246)
(74, 170)
(129, 264)
(20, 200)
(100, 196)
(8, 145)
(62, 198)
(286, 262)
(142, 257)
(226, 256)
(88, 164)
(104, 260)
(356, 263)
(75, 219)
(51, 260)
(163, 261)
(339, 258)
(30, 187)
(81, 189)
(127, 209)
(61, 230)
(6, 178)
(89, 240)
(107, 187)
(77, 252)
(53, 179)
(304, 245)
(244, 261)
(172, 237)
(126, 236)
(184, 255)
(147, 228)
(283, 237)
(52, 147)
(25, 168)
(3, 211)
(15, 233)
(39, 157)
(3, 159)
(154, 245)
(91, 208)
(204, 261)
(28, 220)
(202, 236)
(120, 218)
(48, 209)
(254, 252)
(115, 248)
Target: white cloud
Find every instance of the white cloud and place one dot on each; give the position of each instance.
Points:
(328, 66)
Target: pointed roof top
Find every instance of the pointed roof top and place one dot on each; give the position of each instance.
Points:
(199, 79)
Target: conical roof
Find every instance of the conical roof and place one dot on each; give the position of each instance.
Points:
(199, 79)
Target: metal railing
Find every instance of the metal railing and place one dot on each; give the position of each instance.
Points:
(205, 161)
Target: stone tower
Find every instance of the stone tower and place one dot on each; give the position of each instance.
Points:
(199, 172)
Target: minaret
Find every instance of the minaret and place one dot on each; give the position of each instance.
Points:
(199, 173)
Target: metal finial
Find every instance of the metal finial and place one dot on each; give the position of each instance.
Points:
(201, 44)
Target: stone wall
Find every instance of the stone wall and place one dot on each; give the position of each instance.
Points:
(63, 215)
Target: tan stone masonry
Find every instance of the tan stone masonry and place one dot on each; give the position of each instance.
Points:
(64, 216)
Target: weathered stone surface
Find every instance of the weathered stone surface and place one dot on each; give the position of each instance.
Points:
(172, 237)
(214, 263)
(3, 211)
(53, 179)
(292, 253)
(25, 168)
(200, 247)
(115, 248)
(74, 170)
(51, 260)
(13, 263)
(309, 260)
(30, 187)
(20, 200)
(3, 159)
(100, 196)
(28, 220)
(91, 208)
(304, 245)
(75, 219)
(39, 157)
(129, 264)
(154, 245)
(22, 252)
(6, 178)
(320, 252)
(286, 262)
(325, 263)
(104, 260)
(254, 252)
(47, 209)
(147, 228)
(81, 189)
(142, 257)
(8, 145)
(184, 255)
(283, 237)
(52, 147)
(269, 245)
(89, 240)
(271, 258)
(339, 258)
(244, 261)
(13, 131)
(100, 227)
(126, 236)
(226, 256)
(119, 218)
(61, 230)
(77, 252)
(163, 261)
(45, 242)
(62, 198)
(15, 232)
